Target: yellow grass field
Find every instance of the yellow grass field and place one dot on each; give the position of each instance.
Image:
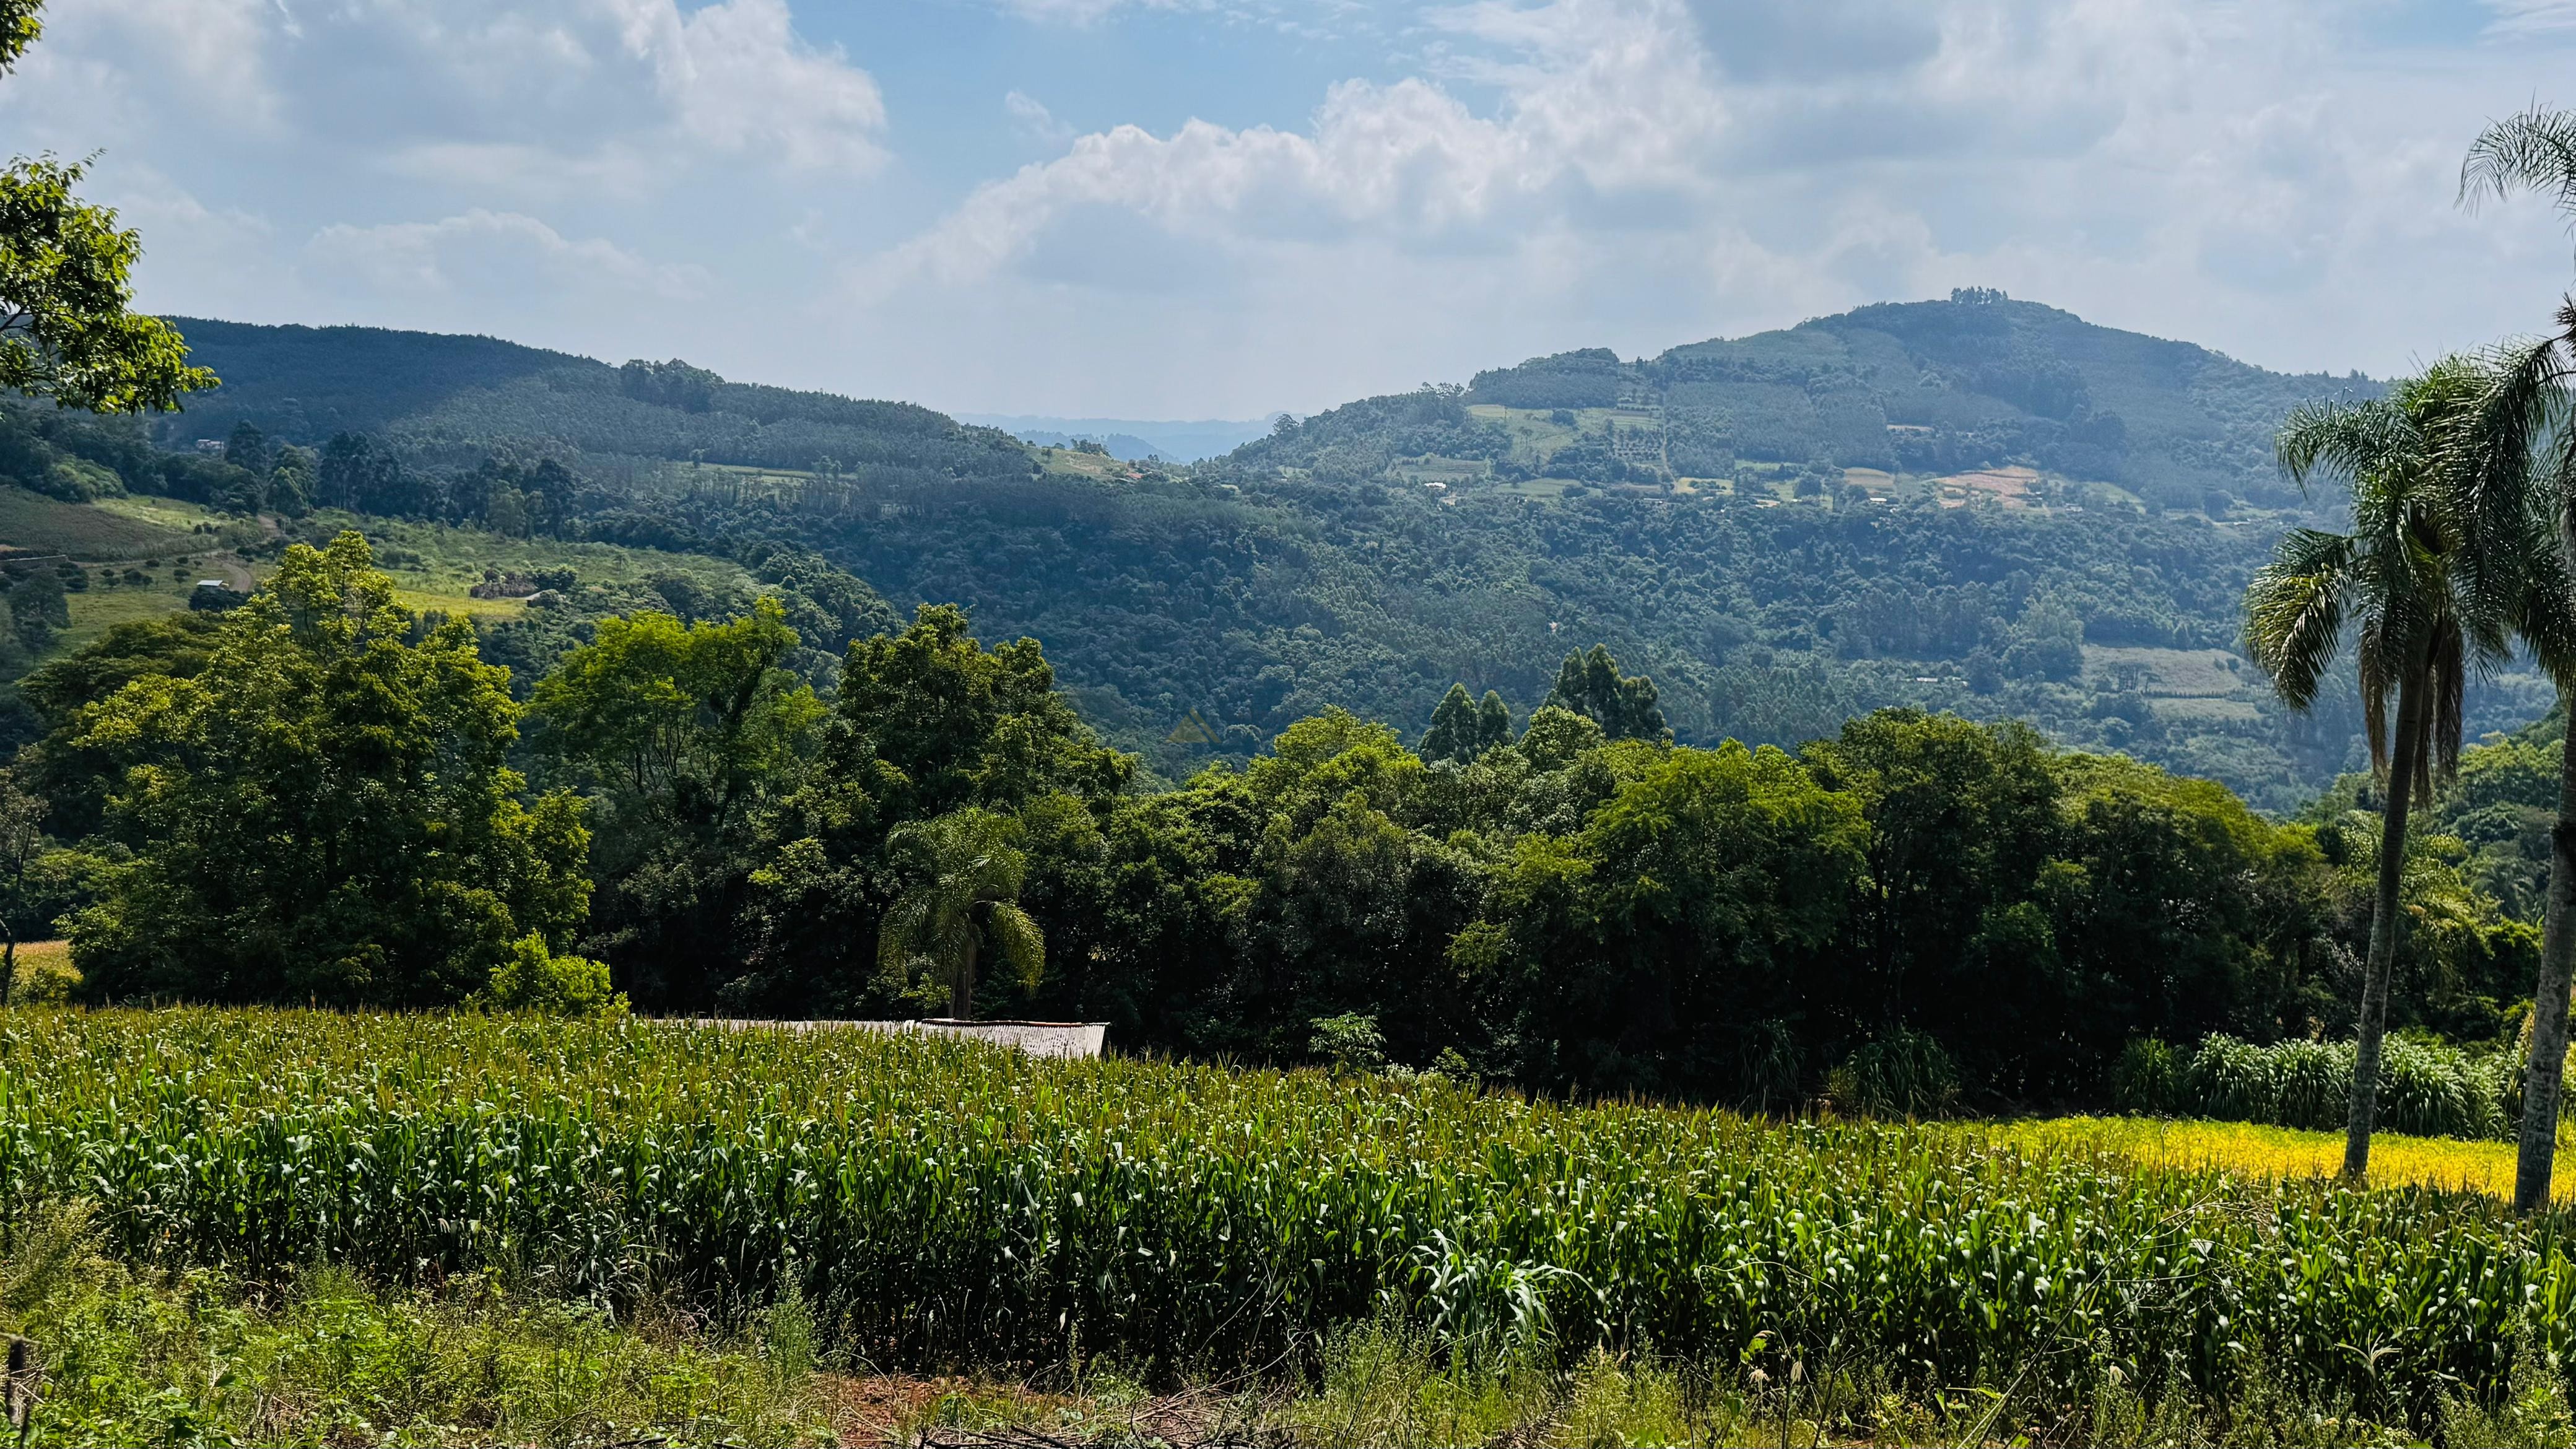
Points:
(2283, 1152)
(45, 971)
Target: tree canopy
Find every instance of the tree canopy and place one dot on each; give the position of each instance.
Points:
(323, 810)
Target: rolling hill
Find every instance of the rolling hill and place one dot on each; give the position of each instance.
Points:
(1977, 504)
(1977, 385)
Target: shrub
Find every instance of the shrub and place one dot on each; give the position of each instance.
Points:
(1905, 1073)
(1350, 1041)
(2147, 1078)
(2426, 1089)
(532, 978)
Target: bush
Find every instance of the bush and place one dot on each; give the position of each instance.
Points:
(1351, 1042)
(2146, 1079)
(1905, 1073)
(2426, 1089)
(534, 979)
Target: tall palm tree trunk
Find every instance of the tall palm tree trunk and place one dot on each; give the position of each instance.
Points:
(2542, 1082)
(2385, 921)
(961, 987)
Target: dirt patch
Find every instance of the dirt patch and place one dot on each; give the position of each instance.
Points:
(952, 1412)
(2012, 487)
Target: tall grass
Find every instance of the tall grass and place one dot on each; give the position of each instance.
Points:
(2425, 1090)
(938, 1203)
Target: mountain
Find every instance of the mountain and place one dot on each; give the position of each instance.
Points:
(1975, 504)
(449, 401)
(1917, 390)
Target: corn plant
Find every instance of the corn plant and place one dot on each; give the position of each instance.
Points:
(935, 1202)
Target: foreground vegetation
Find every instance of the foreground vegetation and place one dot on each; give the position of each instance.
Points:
(938, 1205)
(323, 796)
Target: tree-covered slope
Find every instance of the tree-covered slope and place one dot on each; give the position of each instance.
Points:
(1920, 388)
(450, 400)
(1761, 524)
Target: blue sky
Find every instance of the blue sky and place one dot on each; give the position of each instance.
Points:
(1221, 208)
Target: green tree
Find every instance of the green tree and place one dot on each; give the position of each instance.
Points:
(22, 835)
(681, 734)
(324, 810)
(1590, 684)
(1452, 735)
(966, 896)
(2410, 582)
(1962, 817)
(1462, 729)
(964, 725)
(1647, 951)
(926, 722)
(65, 329)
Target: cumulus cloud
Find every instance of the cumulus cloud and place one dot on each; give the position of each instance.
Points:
(615, 93)
(489, 253)
(1371, 191)
(1034, 120)
(1646, 172)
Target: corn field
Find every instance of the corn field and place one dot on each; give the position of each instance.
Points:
(939, 1203)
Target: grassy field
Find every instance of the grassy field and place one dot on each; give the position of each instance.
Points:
(85, 532)
(2284, 1154)
(940, 1206)
(435, 566)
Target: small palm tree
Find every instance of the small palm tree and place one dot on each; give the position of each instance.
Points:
(2411, 584)
(969, 899)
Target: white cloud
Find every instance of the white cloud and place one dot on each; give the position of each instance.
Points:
(617, 94)
(1034, 120)
(2531, 16)
(493, 255)
(1641, 173)
(1374, 192)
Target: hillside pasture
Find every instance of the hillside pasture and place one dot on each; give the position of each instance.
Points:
(86, 532)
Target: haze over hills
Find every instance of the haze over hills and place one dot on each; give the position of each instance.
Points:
(1132, 439)
(1976, 504)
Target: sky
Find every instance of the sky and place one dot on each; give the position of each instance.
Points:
(1227, 208)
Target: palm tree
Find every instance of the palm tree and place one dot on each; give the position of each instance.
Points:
(969, 899)
(2516, 462)
(2422, 600)
(2528, 468)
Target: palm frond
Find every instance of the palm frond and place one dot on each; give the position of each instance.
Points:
(1017, 940)
(2294, 611)
(2447, 681)
(2533, 151)
(901, 936)
(2345, 440)
(2487, 443)
(2378, 680)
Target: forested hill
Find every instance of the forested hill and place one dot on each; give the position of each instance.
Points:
(451, 400)
(1893, 506)
(1921, 389)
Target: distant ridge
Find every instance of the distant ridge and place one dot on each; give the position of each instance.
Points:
(1978, 381)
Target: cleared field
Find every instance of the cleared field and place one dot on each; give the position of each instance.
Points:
(435, 566)
(2013, 487)
(49, 525)
(2170, 673)
(941, 1203)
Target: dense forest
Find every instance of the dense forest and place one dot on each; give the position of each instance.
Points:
(1610, 784)
(1320, 567)
(242, 800)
